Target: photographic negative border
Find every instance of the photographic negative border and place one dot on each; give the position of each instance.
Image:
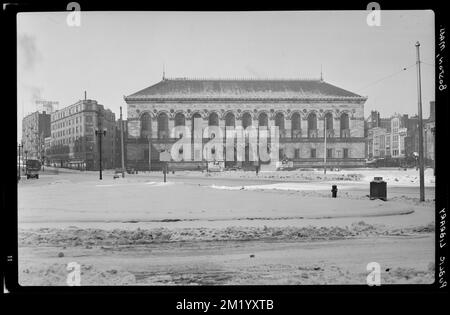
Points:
(282, 294)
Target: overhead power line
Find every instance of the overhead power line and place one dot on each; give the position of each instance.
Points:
(429, 64)
(385, 78)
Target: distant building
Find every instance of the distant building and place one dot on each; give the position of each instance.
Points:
(35, 128)
(376, 136)
(398, 136)
(73, 140)
(430, 127)
(47, 146)
(374, 120)
(46, 106)
(387, 139)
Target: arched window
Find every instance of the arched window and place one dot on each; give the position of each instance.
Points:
(329, 124)
(163, 126)
(296, 125)
(312, 125)
(279, 122)
(146, 127)
(180, 120)
(345, 128)
(230, 120)
(213, 119)
(263, 120)
(246, 120)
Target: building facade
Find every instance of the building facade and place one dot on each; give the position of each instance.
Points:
(74, 142)
(301, 109)
(47, 106)
(387, 138)
(398, 137)
(430, 130)
(35, 128)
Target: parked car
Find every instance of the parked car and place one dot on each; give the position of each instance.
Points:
(131, 170)
(32, 168)
(215, 166)
(118, 172)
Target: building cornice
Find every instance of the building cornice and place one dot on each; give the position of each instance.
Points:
(243, 99)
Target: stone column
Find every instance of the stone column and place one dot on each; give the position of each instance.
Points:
(271, 121)
(320, 125)
(188, 124)
(337, 126)
(205, 122)
(288, 127)
(304, 127)
(171, 125)
(255, 122)
(154, 128)
(237, 121)
(222, 128)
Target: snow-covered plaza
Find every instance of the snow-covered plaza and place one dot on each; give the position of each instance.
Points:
(225, 228)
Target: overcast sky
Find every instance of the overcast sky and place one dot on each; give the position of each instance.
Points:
(113, 54)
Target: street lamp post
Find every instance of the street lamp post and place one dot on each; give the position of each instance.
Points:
(26, 161)
(20, 160)
(100, 133)
(325, 146)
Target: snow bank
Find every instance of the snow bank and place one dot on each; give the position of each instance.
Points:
(286, 186)
(56, 275)
(119, 237)
(393, 176)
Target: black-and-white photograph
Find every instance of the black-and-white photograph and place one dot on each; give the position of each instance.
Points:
(226, 148)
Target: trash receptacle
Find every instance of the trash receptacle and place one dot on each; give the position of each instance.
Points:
(378, 189)
(334, 191)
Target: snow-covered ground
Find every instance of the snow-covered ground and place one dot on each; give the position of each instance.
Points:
(75, 214)
(392, 176)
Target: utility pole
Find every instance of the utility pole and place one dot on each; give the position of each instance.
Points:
(121, 144)
(433, 130)
(100, 134)
(325, 146)
(419, 96)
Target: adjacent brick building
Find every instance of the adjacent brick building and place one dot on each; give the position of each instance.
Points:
(398, 136)
(73, 140)
(35, 128)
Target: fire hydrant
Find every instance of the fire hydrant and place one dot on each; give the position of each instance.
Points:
(334, 191)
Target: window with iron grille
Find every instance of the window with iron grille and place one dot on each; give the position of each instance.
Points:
(345, 153)
(329, 153)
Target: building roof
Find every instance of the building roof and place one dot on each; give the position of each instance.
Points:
(241, 88)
